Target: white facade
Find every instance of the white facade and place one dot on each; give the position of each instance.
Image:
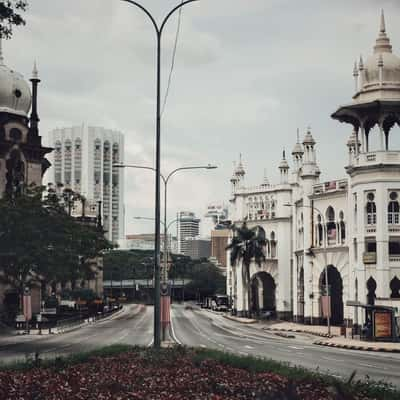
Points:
(83, 160)
(356, 218)
(188, 227)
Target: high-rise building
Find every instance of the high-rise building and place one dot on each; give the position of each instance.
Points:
(188, 227)
(83, 161)
(219, 242)
(215, 215)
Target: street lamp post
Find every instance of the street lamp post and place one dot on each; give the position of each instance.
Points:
(159, 30)
(324, 240)
(165, 181)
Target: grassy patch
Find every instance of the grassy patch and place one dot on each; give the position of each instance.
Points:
(34, 360)
(148, 358)
(351, 386)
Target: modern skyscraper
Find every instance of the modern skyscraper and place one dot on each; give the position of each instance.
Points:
(188, 227)
(83, 161)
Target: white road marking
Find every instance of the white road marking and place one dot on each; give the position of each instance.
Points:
(173, 330)
(296, 348)
(331, 359)
(368, 365)
(248, 347)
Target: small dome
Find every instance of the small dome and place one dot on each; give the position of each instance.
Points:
(15, 93)
(284, 164)
(297, 149)
(308, 139)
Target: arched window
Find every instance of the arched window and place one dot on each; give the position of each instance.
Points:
(320, 231)
(371, 287)
(393, 209)
(330, 226)
(342, 228)
(273, 245)
(371, 209)
(395, 288)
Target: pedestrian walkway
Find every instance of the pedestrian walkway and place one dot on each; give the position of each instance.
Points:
(353, 344)
(317, 330)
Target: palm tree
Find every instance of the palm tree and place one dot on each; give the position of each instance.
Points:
(247, 244)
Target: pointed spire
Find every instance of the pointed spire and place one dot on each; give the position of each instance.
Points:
(355, 69)
(298, 135)
(383, 25)
(265, 180)
(382, 42)
(35, 74)
(284, 154)
(361, 64)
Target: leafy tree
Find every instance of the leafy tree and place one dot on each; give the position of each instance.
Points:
(128, 264)
(11, 15)
(205, 280)
(247, 244)
(40, 242)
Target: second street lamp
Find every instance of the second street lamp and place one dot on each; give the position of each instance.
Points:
(165, 180)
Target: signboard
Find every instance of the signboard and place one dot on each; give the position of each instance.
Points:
(326, 306)
(382, 324)
(369, 258)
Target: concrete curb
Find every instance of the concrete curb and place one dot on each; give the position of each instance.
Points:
(59, 331)
(325, 335)
(245, 321)
(354, 347)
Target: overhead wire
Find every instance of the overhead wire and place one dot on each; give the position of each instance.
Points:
(178, 28)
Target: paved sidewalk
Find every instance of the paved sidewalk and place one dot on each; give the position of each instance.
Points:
(317, 330)
(352, 344)
(240, 319)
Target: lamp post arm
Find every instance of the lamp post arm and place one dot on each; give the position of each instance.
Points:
(172, 12)
(182, 168)
(134, 3)
(142, 166)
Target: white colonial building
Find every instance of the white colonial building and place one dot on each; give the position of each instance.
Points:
(356, 219)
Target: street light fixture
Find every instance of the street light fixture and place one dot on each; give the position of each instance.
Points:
(324, 239)
(158, 30)
(165, 180)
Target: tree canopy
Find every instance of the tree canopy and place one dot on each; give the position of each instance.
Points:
(40, 242)
(11, 15)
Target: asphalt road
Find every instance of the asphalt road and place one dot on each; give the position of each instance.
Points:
(203, 328)
(134, 326)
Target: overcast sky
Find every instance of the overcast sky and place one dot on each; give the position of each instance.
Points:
(247, 74)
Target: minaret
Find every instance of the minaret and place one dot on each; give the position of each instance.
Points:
(355, 75)
(284, 169)
(265, 179)
(361, 73)
(240, 172)
(34, 118)
(297, 154)
(234, 179)
(382, 42)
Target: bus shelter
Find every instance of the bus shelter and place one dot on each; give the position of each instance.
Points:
(380, 322)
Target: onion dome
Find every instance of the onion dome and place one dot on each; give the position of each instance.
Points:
(297, 149)
(15, 93)
(308, 138)
(381, 70)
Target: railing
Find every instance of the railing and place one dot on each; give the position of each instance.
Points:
(370, 229)
(378, 157)
(394, 258)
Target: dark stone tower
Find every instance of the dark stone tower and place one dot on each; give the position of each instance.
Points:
(22, 156)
